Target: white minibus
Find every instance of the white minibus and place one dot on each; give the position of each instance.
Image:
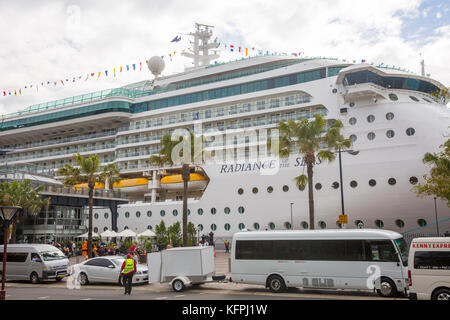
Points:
(326, 259)
(34, 262)
(429, 269)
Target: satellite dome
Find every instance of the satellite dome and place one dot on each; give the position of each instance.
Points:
(156, 65)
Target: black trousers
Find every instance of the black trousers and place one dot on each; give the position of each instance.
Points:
(128, 282)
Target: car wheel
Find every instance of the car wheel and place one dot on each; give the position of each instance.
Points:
(387, 288)
(34, 278)
(83, 279)
(178, 286)
(276, 284)
(441, 294)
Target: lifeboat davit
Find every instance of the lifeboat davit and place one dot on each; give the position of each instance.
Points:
(175, 182)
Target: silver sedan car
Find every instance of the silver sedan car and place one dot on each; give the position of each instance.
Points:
(105, 269)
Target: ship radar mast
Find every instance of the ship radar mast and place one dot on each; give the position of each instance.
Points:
(200, 50)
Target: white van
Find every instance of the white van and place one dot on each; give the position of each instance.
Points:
(332, 259)
(429, 269)
(34, 262)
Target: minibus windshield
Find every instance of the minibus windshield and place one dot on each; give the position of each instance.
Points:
(52, 255)
(404, 250)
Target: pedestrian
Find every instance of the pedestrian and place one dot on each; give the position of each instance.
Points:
(135, 257)
(227, 246)
(206, 243)
(128, 269)
(73, 248)
(132, 248)
(84, 249)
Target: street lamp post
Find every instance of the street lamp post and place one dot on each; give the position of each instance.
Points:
(354, 153)
(292, 221)
(435, 213)
(7, 213)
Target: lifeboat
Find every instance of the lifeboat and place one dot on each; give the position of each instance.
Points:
(175, 182)
(98, 185)
(132, 185)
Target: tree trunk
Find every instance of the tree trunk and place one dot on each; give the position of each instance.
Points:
(91, 203)
(14, 228)
(310, 159)
(185, 186)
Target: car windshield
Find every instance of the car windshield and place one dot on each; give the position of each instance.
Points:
(52, 255)
(404, 250)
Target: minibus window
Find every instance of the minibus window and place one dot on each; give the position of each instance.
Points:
(382, 250)
(403, 249)
(52, 255)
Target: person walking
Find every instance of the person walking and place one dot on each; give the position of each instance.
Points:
(84, 249)
(227, 246)
(128, 269)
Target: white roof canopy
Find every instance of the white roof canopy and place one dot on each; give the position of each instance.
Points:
(147, 233)
(85, 235)
(127, 233)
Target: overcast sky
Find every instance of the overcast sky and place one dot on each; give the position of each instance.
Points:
(56, 40)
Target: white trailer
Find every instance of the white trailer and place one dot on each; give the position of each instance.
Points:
(183, 266)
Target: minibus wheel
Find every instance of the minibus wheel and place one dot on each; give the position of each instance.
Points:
(441, 294)
(276, 284)
(34, 278)
(387, 288)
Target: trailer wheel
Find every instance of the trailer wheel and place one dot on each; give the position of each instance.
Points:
(178, 286)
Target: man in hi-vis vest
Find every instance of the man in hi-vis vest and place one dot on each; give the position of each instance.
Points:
(128, 269)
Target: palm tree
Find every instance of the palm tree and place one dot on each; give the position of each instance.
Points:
(22, 194)
(110, 175)
(86, 172)
(309, 139)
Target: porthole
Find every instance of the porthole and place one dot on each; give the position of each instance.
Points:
(200, 211)
(149, 227)
(414, 98)
(149, 213)
(353, 184)
(138, 214)
(392, 181)
(125, 228)
(413, 180)
(338, 225)
(95, 229)
(241, 226)
(256, 226)
(226, 210)
(352, 104)
(162, 213)
(287, 225)
(240, 191)
(370, 118)
(213, 211)
(334, 90)
(322, 224)
(285, 188)
(379, 223)
(241, 210)
(269, 189)
(304, 225)
(227, 226)
(189, 212)
(399, 223)
(96, 216)
(200, 227)
(389, 116)
(353, 137)
(390, 133)
(213, 227)
(271, 226)
(410, 131)
(359, 223)
(426, 100)
(105, 228)
(421, 222)
(352, 121)
(335, 185)
(255, 190)
(318, 186)
(371, 135)
(372, 182)
(127, 214)
(175, 212)
(393, 97)
(301, 188)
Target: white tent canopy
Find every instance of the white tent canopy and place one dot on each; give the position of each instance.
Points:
(85, 235)
(147, 233)
(126, 233)
(109, 234)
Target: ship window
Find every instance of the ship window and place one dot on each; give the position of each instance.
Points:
(162, 213)
(149, 213)
(285, 188)
(426, 100)
(318, 186)
(271, 226)
(392, 181)
(390, 133)
(287, 225)
(379, 223)
(270, 189)
(240, 191)
(241, 210)
(413, 180)
(255, 190)
(241, 226)
(353, 184)
(352, 120)
(125, 228)
(370, 118)
(371, 135)
(175, 212)
(335, 185)
(334, 90)
(226, 210)
(127, 214)
(410, 131)
(106, 215)
(322, 224)
(414, 98)
(372, 182)
(393, 97)
(213, 211)
(105, 228)
(352, 104)
(138, 214)
(227, 226)
(304, 225)
(421, 222)
(149, 227)
(96, 216)
(95, 229)
(200, 211)
(189, 212)
(359, 223)
(200, 227)
(389, 116)
(256, 226)
(213, 227)
(353, 137)
(400, 223)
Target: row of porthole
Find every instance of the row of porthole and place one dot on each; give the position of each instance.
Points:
(334, 185)
(389, 134)
(394, 97)
(370, 118)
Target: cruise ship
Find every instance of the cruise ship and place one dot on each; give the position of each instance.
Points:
(389, 114)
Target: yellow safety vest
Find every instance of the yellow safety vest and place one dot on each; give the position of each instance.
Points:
(129, 266)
